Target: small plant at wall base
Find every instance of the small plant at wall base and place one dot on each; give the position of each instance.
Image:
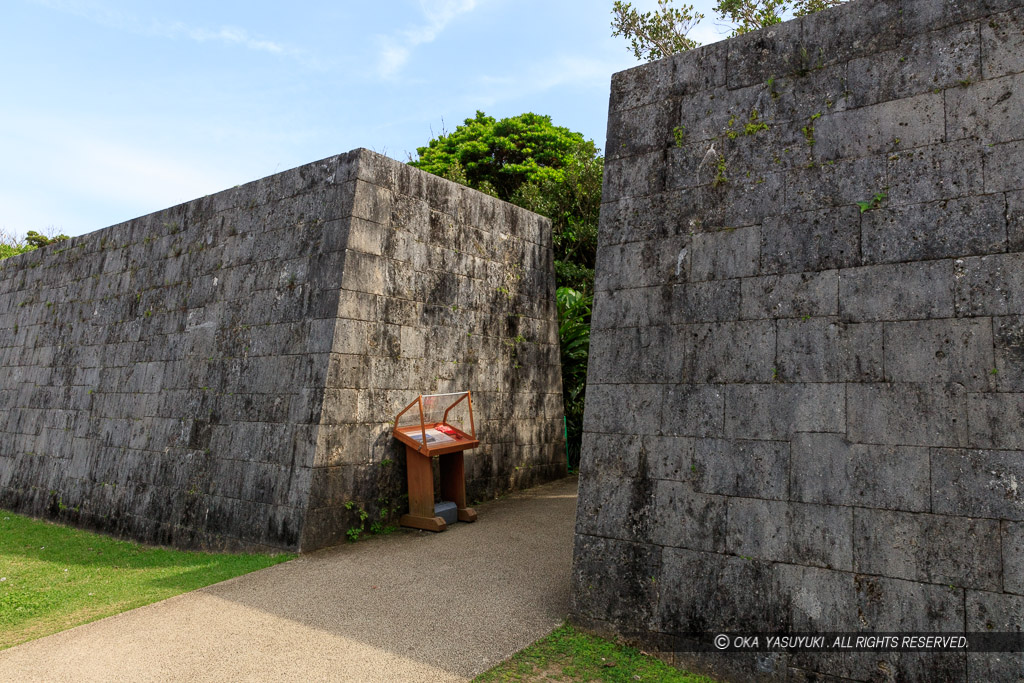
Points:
(574, 339)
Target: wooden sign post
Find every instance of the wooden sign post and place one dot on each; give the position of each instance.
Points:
(429, 433)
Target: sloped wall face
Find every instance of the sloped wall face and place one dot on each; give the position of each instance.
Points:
(223, 374)
(806, 390)
(444, 289)
(163, 378)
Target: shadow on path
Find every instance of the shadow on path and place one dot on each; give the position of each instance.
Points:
(407, 607)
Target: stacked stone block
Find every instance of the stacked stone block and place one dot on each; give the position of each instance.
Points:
(805, 395)
(221, 374)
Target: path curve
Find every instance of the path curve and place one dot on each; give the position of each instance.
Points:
(413, 606)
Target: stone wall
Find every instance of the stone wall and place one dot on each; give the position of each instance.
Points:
(806, 389)
(222, 374)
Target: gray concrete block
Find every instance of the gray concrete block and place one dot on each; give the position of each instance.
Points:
(731, 467)
(791, 296)
(881, 128)
(995, 420)
(960, 227)
(934, 173)
(948, 351)
(811, 241)
(827, 350)
(907, 414)
(827, 469)
(977, 483)
(777, 411)
(986, 110)
(951, 551)
(693, 410)
(898, 291)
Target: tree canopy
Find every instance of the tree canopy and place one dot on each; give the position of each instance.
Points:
(12, 246)
(529, 161)
(663, 32)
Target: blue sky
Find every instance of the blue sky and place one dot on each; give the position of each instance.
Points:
(113, 109)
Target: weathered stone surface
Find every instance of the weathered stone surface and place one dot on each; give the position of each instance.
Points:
(725, 254)
(693, 410)
(886, 127)
(921, 63)
(1009, 353)
(757, 469)
(825, 283)
(811, 241)
(986, 110)
(791, 296)
(1002, 43)
(828, 469)
(828, 350)
(977, 483)
(223, 373)
(898, 291)
(815, 535)
(964, 227)
(907, 414)
(937, 549)
(948, 351)
(777, 411)
(995, 420)
(1013, 557)
(1004, 167)
(933, 173)
(990, 285)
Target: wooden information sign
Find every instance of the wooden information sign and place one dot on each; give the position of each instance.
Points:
(441, 426)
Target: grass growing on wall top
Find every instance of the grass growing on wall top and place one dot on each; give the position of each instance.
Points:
(53, 577)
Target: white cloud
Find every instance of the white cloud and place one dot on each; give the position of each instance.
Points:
(397, 48)
(97, 13)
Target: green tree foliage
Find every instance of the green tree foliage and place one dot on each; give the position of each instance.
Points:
(535, 164)
(654, 35)
(12, 246)
(555, 172)
(658, 34)
(574, 339)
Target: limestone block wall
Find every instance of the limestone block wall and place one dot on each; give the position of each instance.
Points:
(806, 387)
(220, 374)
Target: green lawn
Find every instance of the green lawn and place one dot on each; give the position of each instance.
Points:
(569, 655)
(54, 577)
